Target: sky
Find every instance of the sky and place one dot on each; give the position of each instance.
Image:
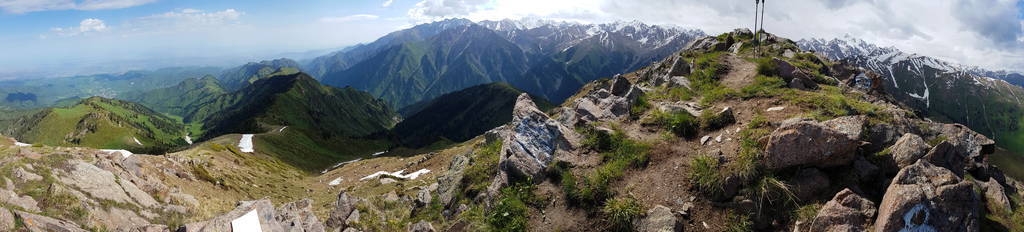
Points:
(43, 38)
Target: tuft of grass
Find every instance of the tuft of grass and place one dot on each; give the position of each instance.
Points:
(618, 153)
(769, 191)
(704, 172)
(738, 223)
(763, 86)
(831, 102)
(621, 212)
(767, 67)
(683, 124)
(806, 213)
(511, 211)
(673, 94)
(480, 171)
(937, 140)
(639, 107)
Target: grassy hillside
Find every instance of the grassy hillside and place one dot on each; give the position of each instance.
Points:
(179, 99)
(46, 92)
(460, 116)
(239, 77)
(101, 123)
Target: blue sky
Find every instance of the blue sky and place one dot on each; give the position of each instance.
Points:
(42, 38)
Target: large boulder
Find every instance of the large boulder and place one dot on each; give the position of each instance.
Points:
(851, 126)
(908, 149)
(658, 219)
(96, 182)
(343, 208)
(708, 43)
(295, 216)
(925, 197)
(39, 223)
(680, 67)
(847, 211)
(534, 141)
(945, 155)
(995, 196)
(970, 145)
(788, 72)
(808, 143)
(448, 184)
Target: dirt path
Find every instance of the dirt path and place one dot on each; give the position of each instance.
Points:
(741, 72)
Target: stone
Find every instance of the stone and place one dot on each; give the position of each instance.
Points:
(117, 219)
(847, 211)
(23, 176)
(802, 83)
(352, 218)
(809, 183)
(150, 228)
(709, 43)
(423, 198)
(680, 67)
(810, 143)
(386, 181)
(184, 200)
(343, 207)
(620, 86)
(658, 219)
(299, 216)
(945, 155)
(881, 136)
(25, 202)
(788, 53)
(735, 48)
(864, 169)
(39, 223)
(6, 220)
(995, 196)
(534, 141)
(704, 140)
(788, 72)
(392, 197)
(96, 182)
(448, 184)
(422, 226)
(294, 216)
(925, 197)
(851, 126)
(908, 149)
(141, 197)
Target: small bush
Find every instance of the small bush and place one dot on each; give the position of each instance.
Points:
(770, 191)
(683, 124)
(705, 175)
(621, 212)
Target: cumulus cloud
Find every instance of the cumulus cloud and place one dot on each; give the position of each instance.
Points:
(987, 33)
(350, 18)
(25, 6)
(387, 3)
(85, 27)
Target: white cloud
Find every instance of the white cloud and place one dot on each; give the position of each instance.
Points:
(978, 32)
(25, 6)
(350, 18)
(86, 26)
(387, 3)
(185, 20)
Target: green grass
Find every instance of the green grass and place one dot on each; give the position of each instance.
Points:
(618, 153)
(511, 211)
(764, 86)
(712, 120)
(621, 212)
(705, 175)
(312, 154)
(639, 107)
(736, 222)
(770, 193)
(672, 94)
(806, 213)
(704, 77)
(480, 171)
(831, 102)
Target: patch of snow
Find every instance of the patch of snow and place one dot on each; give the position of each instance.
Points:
(335, 182)
(246, 144)
(124, 153)
(777, 108)
(20, 144)
(379, 153)
(339, 165)
(250, 222)
(137, 141)
(188, 139)
(399, 174)
(282, 129)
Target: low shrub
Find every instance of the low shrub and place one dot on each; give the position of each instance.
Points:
(705, 175)
(683, 124)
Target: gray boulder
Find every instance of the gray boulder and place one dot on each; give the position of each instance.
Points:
(808, 143)
(995, 196)
(298, 216)
(421, 226)
(448, 184)
(295, 216)
(709, 43)
(39, 223)
(945, 155)
(851, 126)
(6, 220)
(96, 182)
(658, 219)
(533, 142)
(925, 197)
(343, 207)
(23, 176)
(847, 211)
(680, 67)
(908, 149)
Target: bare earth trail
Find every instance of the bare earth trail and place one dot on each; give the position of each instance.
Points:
(741, 72)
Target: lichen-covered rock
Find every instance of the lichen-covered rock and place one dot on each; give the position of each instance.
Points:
(343, 207)
(851, 126)
(925, 197)
(23, 176)
(39, 223)
(847, 211)
(801, 142)
(658, 219)
(448, 184)
(908, 149)
(533, 142)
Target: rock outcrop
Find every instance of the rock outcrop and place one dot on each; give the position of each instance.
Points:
(925, 197)
(658, 219)
(295, 216)
(534, 140)
(908, 149)
(343, 208)
(847, 211)
(448, 184)
(604, 104)
(804, 142)
(39, 223)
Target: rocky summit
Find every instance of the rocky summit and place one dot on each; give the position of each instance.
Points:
(742, 131)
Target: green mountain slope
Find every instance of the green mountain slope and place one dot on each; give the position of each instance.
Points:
(321, 121)
(239, 77)
(461, 115)
(101, 123)
(179, 99)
